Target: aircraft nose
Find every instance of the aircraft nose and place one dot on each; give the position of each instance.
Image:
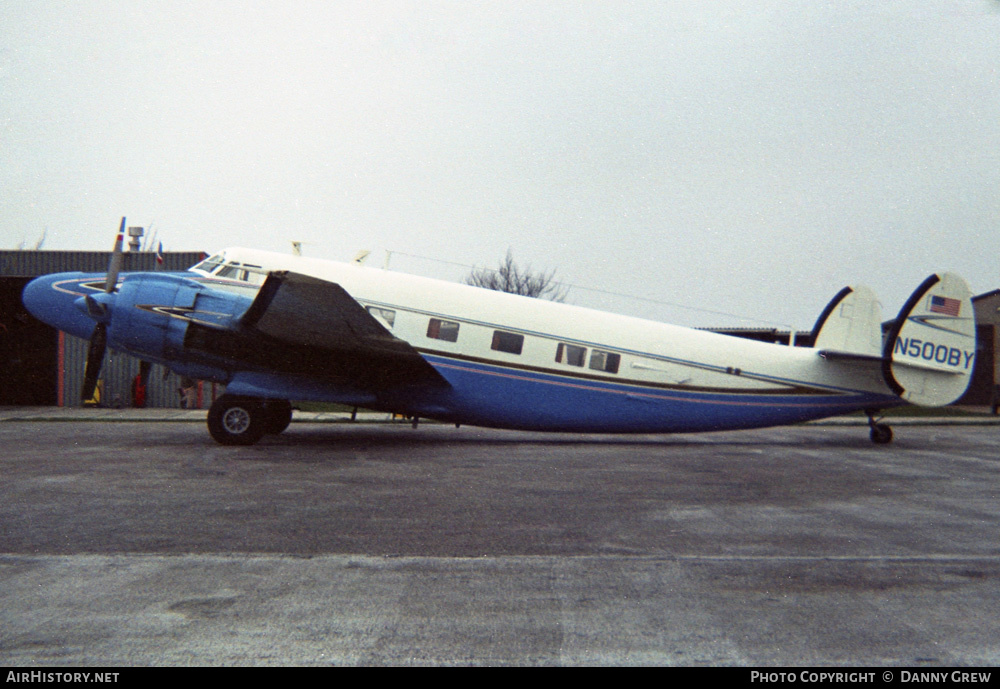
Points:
(38, 298)
(50, 299)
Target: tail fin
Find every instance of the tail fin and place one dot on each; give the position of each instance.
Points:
(850, 325)
(931, 349)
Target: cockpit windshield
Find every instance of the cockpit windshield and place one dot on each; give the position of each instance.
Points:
(209, 265)
(219, 266)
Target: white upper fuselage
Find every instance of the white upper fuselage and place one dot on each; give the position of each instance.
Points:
(650, 353)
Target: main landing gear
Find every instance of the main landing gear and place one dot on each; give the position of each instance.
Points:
(234, 420)
(880, 434)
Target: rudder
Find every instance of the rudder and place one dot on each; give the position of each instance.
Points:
(930, 351)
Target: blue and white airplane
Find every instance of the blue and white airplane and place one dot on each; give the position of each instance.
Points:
(274, 328)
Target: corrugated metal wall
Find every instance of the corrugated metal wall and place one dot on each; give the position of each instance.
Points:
(119, 370)
(117, 375)
(34, 263)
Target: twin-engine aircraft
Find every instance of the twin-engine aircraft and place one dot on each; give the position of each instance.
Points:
(274, 328)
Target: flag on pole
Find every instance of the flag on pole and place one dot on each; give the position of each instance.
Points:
(159, 255)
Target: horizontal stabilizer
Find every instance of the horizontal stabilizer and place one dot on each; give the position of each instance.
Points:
(837, 355)
(850, 326)
(930, 351)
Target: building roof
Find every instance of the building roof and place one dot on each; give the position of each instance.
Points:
(35, 263)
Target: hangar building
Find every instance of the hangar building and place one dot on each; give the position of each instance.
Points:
(986, 375)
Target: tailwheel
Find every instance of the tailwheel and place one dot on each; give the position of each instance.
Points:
(234, 420)
(881, 434)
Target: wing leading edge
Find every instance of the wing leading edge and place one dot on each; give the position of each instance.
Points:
(304, 310)
(302, 325)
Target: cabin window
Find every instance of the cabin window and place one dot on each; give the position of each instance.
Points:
(254, 274)
(570, 354)
(386, 317)
(438, 329)
(227, 271)
(512, 343)
(605, 361)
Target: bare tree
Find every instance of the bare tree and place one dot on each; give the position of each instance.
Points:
(38, 245)
(509, 277)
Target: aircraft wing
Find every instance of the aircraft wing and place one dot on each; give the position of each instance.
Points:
(305, 325)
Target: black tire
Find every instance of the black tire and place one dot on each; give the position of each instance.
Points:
(279, 415)
(881, 434)
(237, 420)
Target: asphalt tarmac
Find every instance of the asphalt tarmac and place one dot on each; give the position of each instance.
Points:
(144, 543)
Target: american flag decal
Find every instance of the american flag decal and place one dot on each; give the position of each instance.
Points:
(945, 305)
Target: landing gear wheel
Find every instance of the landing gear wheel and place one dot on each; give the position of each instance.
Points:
(236, 420)
(881, 434)
(279, 415)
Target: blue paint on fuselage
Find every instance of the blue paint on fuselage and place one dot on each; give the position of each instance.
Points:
(56, 307)
(504, 397)
(135, 325)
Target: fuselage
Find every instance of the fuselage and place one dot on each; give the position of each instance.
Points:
(517, 362)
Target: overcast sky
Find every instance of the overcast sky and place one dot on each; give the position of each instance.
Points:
(751, 157)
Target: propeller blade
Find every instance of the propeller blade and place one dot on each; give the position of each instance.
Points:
(95, 357)
(117, 257)
(100, 311)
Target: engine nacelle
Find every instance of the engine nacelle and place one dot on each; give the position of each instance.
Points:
(152, 312)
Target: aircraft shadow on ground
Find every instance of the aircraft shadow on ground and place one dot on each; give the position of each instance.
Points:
(389, 436)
